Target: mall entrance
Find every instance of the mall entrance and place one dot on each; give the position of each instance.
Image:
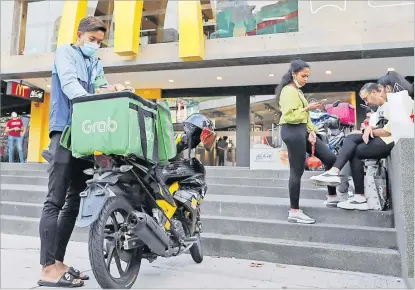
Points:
(247, 118)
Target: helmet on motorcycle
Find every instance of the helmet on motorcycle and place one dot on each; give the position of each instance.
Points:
(198, 128)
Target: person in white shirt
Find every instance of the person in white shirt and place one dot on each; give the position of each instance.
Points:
(375, 143)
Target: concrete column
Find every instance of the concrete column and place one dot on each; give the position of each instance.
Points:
(243, 130)
(401, 181)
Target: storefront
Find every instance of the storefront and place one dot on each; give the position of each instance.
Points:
(17, 96)
(249, 121)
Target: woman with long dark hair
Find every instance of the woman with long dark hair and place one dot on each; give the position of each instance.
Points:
(391, 79)
(299, 134)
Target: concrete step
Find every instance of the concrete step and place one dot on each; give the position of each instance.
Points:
(241, 206)
(263, 228)
(320, 232)
(247, 173)
(277, 208)
(312, 254)
(322, 255)
(11, 182)
(26, 172)
(24, 180)
(25, 166)
(262, 191)
(39, 177)
(263, 182)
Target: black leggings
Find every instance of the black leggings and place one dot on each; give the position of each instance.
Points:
(355, 150)
(295, 136)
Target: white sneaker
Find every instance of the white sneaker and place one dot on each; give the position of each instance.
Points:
(327, 178)
(332, 201)
(299, 217)
(356, 202)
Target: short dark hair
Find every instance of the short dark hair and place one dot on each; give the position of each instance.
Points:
(91, 23)
(368, 87)
(225, 138)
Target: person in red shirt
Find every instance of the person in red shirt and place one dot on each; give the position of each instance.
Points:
(14, 129)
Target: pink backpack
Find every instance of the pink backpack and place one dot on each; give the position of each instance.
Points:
(345, 112)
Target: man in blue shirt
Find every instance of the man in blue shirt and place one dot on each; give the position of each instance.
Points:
(76, 73)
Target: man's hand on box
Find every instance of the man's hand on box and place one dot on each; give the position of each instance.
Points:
(113, 88)
(119, 87)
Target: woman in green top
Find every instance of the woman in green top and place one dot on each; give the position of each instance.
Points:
(299, 134)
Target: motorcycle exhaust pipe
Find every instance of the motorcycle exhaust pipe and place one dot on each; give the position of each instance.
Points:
(149, 232)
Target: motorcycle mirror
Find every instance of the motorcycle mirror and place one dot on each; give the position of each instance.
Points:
(125, 168)
(336, 103)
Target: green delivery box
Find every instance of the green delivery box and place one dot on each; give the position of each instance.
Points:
(165, 133)
(120, 123)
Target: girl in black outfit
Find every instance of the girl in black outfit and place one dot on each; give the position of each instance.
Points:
(299, 134)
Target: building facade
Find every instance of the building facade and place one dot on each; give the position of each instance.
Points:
(220, 58)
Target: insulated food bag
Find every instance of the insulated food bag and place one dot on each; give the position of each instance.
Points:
(165, 132)
(119, 123)
(345, 112)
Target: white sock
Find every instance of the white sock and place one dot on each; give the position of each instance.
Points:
(332, 198)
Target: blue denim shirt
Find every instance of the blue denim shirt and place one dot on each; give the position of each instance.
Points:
(73, 76)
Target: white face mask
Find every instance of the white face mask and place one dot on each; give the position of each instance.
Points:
(296, 83)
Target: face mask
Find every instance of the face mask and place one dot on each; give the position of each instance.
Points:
(89, 48)
(296, 83)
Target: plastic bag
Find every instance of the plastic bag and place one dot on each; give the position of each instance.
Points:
(401, 114)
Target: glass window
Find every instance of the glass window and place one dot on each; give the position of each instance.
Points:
(42, 26)
(104, 9)
(160, 22)
(222, 112)
(232, 18)
(267, 148)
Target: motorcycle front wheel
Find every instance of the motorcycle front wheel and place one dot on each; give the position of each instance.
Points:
(196, 250)
(106, 251)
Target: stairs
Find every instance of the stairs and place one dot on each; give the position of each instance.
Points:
(244, 216)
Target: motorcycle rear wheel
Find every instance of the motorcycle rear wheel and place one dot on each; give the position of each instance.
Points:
(100, 233)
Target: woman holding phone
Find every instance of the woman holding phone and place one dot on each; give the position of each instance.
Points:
(299, 135)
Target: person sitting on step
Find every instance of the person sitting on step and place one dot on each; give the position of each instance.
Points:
(374, 143)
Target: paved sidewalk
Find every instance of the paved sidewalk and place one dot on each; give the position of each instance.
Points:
(182, 273)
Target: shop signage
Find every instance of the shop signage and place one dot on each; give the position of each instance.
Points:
(24, 91)
(264, 157)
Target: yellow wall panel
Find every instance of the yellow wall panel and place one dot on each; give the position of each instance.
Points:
(191, 38)
(127, 16)
(149, 94)
(39, 130)
(73, 12)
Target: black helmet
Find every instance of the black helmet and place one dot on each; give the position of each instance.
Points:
(199, 128)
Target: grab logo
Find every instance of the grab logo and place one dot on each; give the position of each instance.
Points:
(102, 127)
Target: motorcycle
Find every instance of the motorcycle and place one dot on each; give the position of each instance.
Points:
(137, 210)
(329, 128)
